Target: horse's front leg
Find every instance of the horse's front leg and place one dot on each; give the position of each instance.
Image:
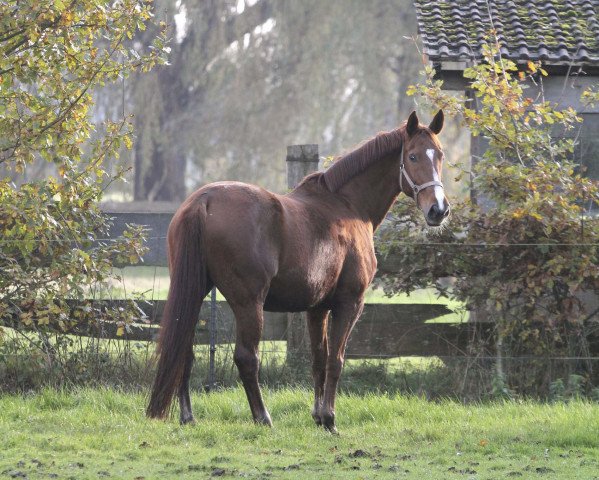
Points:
(317, 327)
(344, 317)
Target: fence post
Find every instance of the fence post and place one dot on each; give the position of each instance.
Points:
(301, 161)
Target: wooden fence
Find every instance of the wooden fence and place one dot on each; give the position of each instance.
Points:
(384, 330)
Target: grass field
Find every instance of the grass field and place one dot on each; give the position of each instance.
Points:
(104, 434)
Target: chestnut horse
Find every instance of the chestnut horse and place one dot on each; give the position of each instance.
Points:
(310, 250)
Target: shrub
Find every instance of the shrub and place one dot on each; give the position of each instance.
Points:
(52, 243)
(523, 248)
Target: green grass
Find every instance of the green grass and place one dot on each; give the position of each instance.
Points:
(103, 434)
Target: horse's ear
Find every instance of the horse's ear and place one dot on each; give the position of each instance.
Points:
(437, 123)
(412, 125)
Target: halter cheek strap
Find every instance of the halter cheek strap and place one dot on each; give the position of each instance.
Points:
(415, 188)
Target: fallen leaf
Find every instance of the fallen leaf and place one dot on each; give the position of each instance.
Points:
(544, 470)
(359, 453)
(17, 474)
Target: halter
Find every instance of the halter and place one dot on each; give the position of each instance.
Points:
(415, 188)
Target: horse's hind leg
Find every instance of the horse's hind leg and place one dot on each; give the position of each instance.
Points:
(317, 327)
(185, 413)
(249, 321)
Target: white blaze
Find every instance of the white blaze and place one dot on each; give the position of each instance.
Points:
(439, 194)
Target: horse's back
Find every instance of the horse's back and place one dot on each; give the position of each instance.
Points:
(289, 250)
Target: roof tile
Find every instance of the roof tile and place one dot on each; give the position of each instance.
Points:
(555, 31)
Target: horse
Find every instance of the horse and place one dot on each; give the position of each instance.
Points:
(310, 250)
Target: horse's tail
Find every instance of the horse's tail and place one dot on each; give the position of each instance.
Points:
(188, 287)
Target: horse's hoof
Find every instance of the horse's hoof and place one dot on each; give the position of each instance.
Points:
(316, 417)
(332, 429)
(328, 422)
(187, 420)
(264, 420)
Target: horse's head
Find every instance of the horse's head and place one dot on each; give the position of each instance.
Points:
(420, 168)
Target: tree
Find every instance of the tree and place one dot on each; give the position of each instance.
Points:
(523, 256)
(247, 78)
(52, 247)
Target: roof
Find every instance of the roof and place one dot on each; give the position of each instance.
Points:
(556, 32)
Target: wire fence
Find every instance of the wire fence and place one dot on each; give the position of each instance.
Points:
(386, 348)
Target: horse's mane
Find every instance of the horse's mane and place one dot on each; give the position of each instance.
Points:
(348, 165)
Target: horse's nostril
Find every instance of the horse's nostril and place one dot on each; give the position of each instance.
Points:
(436, 214)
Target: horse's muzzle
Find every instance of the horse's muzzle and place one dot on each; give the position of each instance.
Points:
(436, 215)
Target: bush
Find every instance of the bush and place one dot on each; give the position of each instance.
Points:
(53, 247)
(523, 248)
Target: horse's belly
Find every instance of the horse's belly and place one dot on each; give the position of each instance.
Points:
(300, 287)
(295, 298)
(274, 303)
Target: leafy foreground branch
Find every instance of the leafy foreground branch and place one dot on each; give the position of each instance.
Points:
(53, 245)
(522, 251)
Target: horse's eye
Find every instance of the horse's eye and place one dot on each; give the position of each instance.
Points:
(412, 157)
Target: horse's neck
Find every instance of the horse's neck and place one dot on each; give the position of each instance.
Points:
(373, 191)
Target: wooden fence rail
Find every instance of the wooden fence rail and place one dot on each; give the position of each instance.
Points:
(383, 329)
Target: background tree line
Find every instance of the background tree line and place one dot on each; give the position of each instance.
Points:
(248, 77)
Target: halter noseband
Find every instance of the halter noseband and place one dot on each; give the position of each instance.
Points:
(415, 188)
